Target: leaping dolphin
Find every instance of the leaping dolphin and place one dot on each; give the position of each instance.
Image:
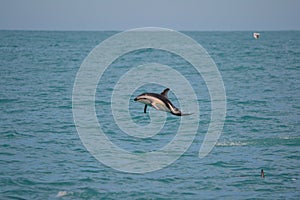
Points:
(159, 102)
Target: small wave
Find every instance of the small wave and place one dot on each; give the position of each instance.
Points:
(9, 134)
(251, 117)
(232, 143)
(8, 100)
(289, 138)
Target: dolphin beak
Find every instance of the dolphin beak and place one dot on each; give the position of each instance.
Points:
(135, 99)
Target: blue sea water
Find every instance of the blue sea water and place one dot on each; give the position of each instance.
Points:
(42, 156)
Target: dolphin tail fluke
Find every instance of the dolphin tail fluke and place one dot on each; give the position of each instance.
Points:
(182, 114)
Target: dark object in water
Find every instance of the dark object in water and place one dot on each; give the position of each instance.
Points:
(262, 174)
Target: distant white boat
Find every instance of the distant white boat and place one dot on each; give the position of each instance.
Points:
(256, 35)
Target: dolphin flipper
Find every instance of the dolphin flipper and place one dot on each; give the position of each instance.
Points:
(145, 108)
(155, 106)
(165, 93)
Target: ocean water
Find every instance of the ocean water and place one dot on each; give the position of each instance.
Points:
(42, 156)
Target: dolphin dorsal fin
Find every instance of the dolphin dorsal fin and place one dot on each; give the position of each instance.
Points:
(165, 92)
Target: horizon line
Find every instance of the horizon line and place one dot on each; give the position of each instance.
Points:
(180, 30)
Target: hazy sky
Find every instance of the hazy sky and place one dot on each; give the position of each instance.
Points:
(126, 14)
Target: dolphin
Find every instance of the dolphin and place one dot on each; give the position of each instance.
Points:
(159, 102)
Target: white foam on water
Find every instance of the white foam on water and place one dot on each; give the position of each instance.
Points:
(231, 143)
(62, 194)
